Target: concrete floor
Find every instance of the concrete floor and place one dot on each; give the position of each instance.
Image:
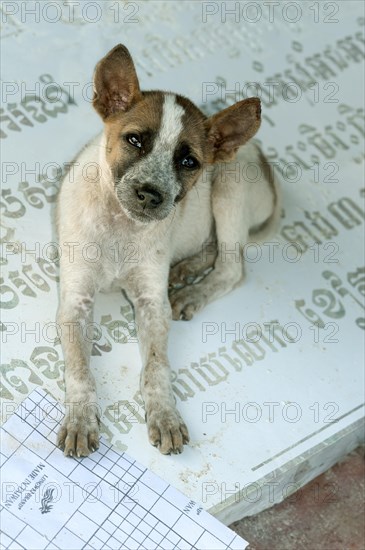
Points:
(327, 514)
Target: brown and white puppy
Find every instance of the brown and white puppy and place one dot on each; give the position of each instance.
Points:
(153, 178)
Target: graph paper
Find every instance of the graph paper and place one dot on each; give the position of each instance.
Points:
(107, 500)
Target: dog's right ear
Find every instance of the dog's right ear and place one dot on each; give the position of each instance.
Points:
(116, 86)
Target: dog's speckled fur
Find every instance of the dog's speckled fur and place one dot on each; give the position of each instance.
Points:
(163, 192)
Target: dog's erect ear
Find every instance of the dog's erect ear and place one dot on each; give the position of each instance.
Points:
(116, 86)
(231, 128)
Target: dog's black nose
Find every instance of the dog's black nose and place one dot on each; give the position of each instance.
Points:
(149, 197)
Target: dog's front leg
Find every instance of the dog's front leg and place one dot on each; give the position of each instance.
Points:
(79, 434)
(166, 429)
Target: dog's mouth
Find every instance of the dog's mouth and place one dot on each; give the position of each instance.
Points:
(145, 215)
(141, 212)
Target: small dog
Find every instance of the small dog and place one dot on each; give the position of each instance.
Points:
(154, 178)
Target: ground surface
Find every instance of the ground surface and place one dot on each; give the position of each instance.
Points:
(327, 514)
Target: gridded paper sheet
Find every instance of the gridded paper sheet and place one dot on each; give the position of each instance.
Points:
(105, 501)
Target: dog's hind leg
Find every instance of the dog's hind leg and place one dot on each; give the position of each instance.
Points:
(232, 234)
(237, 207)
(188, 270)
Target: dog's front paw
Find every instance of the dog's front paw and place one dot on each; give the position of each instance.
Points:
(79, 433)
(167, 431)
(186, 301)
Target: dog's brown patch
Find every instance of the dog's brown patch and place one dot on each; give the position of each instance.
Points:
(143, 119)
(194, 131)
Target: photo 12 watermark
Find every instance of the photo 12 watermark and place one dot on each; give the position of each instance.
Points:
(269, 492)
(271, 412)
(253, 12)
(70, 11)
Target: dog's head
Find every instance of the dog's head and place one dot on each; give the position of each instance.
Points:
(157, 142)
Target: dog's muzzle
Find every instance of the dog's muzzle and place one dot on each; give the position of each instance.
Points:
(148, 198)
(144, 202)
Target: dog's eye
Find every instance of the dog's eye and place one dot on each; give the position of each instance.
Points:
(134, 140)
(189, 162)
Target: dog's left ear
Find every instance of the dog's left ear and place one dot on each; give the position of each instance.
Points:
(116, 86)
(231, 128)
